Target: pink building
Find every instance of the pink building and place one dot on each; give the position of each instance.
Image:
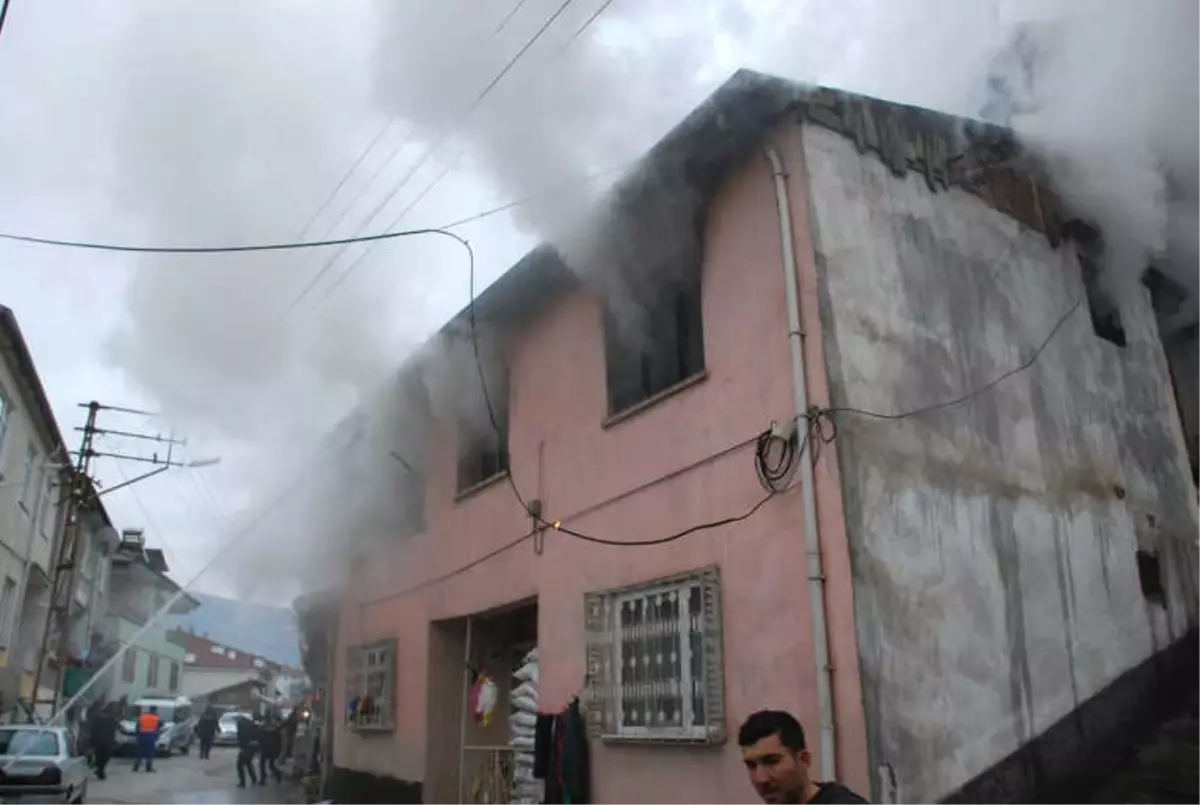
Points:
(970, 565)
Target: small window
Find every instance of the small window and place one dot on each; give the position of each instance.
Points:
(1150, 577)
(217, 650)
(28, 482)
(189, 658)
(8, 600)
(173, 679)
(1104, 309)
(371, 686)
(129, 666)
(662, 348)
(5, 412)
(152, 672)
(654, 661)
(258, 663)
(482, 452)
(231, 654)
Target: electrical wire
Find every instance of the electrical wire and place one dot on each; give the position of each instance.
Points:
(1028, 362)
(440, 140)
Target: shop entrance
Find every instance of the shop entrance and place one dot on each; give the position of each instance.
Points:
(468, 760)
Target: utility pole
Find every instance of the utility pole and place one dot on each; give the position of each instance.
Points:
(80, 497)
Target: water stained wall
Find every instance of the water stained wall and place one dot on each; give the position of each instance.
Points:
(994, 543)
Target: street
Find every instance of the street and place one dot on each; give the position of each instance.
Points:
(184, 779)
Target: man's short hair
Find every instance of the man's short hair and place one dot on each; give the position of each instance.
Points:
(766, 723)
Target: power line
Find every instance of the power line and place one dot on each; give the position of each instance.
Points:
(1037, 353)
(329, 199)
(587, 23)
(440, 140)
(251, 247)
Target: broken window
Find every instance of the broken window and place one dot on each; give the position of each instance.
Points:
(482, 443)
(663, 349)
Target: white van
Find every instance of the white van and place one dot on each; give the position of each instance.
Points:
(177, 720)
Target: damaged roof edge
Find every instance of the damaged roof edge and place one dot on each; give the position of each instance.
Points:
(699, 151)
(731, 123)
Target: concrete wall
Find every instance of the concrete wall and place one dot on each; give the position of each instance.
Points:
(28, 529)
(670, 466)
(1183, 356)
(152, 645)
(993, 543)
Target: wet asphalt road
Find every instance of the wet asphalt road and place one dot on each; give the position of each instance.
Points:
(180, 779)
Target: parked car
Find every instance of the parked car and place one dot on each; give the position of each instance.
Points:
(177, 725)
(227, 728)
(41, 764)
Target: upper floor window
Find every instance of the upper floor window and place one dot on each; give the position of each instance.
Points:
(173, 680)
(661, 346)
(29, 483)
(5, 411)
(482, 451)
(152, 672)
(129, 666)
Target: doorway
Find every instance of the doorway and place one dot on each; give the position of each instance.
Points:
(468, 760)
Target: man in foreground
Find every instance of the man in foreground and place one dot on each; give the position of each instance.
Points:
(206, 731)
(103, 736)
(777, 760)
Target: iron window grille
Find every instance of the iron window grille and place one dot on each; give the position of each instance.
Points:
(655, 672)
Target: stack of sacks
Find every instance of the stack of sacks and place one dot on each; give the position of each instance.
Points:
(522, 726)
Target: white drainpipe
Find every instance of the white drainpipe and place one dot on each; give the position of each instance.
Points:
(812, 540)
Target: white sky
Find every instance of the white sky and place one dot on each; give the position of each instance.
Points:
(201, 122)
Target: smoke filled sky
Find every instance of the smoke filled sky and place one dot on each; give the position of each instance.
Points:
(194, 122)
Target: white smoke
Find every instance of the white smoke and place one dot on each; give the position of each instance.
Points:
(232, 124)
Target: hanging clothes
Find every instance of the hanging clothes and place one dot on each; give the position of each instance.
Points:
(543, 737)
(561, 753)
(576, 768)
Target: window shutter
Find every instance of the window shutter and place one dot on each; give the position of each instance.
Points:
(714, 661)
(599, 682)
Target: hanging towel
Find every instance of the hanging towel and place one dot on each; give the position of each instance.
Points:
(543, 738)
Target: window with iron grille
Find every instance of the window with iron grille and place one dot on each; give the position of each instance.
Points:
(371, 686)
(654, 661)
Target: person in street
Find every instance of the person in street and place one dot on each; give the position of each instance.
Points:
(290, 724)
(247, 738)
(777, 760)
(206, 732)
(148, 726)
(271, 744)
(102, 736)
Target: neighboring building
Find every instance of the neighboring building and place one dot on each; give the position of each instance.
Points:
(1008, 557)
(152, 664)
(32, 455)
(215, 673)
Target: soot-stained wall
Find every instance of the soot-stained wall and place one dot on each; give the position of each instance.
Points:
(993, 542)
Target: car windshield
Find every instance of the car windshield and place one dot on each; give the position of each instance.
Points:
(165, 712)
(28, 742)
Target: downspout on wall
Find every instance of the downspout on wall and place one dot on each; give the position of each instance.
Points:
(812, 539)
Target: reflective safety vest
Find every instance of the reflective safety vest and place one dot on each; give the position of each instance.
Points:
(148, 722)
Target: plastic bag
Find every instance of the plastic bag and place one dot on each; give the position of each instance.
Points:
(483, 699)
(527, 673)
(523, 732)
(522, 742)
(528, 790)
(532, 656)
(524, 703)
(526, 689)
(522, 718)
